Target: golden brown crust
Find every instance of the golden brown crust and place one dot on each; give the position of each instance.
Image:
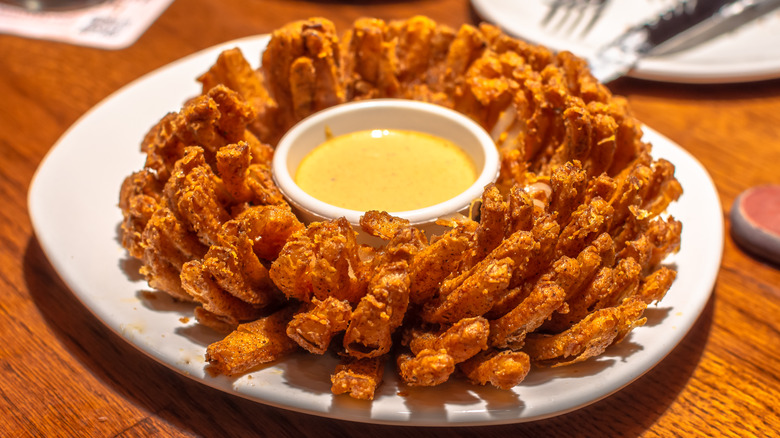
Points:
(503, 369)
(314, 328)
(589, 337)
(261, 341)
(358, 377)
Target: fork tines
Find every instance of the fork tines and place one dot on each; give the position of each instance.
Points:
(573, 17)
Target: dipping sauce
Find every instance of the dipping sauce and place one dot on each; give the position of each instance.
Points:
(390, 170)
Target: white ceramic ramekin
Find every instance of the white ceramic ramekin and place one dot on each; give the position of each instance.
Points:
(384, 114)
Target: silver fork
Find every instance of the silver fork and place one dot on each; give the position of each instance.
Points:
(568, 16)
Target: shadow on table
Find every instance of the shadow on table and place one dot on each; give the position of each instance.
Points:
(191, 407)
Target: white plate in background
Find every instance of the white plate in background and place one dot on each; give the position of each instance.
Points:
(751, 52)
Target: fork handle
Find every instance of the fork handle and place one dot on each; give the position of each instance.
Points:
(680, 18)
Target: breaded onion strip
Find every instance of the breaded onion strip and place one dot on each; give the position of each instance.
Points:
(209, 121)
(139, 198)
(521, 210)
(568, 184)
(234, 71)
(434, 354)
(432, 264)
(358, 377)
(589, 337)
(268, 227)
(462, 340)
(372, 65)
(546, 295)
(238, 271)
(193, 192)
(253, 343)
(379, 313)
(167, 245)
(233, 265)
(199, 283)
(502, 369)
(314, 328)
(516, 250)
(492, 222)
(426, 368)
(302, 69)
(655, 285)
(609, 287)
(475, 295)
(587, 222)
(244, 180)
(319, 261)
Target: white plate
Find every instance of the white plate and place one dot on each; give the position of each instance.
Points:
(751, 52)
(73, 207)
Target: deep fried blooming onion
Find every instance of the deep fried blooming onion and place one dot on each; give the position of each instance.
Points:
(562, 262)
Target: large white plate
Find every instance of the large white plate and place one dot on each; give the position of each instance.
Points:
(73, 207)
(751, 52)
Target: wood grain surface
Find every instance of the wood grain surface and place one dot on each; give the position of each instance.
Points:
(62, 373)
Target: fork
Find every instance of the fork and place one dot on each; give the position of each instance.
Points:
(571, 14)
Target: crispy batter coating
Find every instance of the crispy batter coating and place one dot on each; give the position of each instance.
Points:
(379, 313)
(358, 377)
(503, 369)
(589, 337)
(546, 233)
(655, 285)
(302, 68)
(587, 222)
(210, 121)
(403, 240)
(546, 295)
(383, 308)
(461, 341)
(139, 198)
(426, 368)
(235, 267)
(319, 261)
(568, 184)
(261, 341)
(564, 268)
(268, 227)
(421, 44)
(197, 281)
(514, 251)
(233, 71)
(193, 195)
(372, 68)
(492, 223)
(608, 288)
(167, 246)
(475, 295)
(229, 279)
(521, 210)
(246, 177)
(314, 328)
(435, 262)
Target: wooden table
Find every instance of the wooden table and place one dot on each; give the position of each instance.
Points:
(63, 373)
